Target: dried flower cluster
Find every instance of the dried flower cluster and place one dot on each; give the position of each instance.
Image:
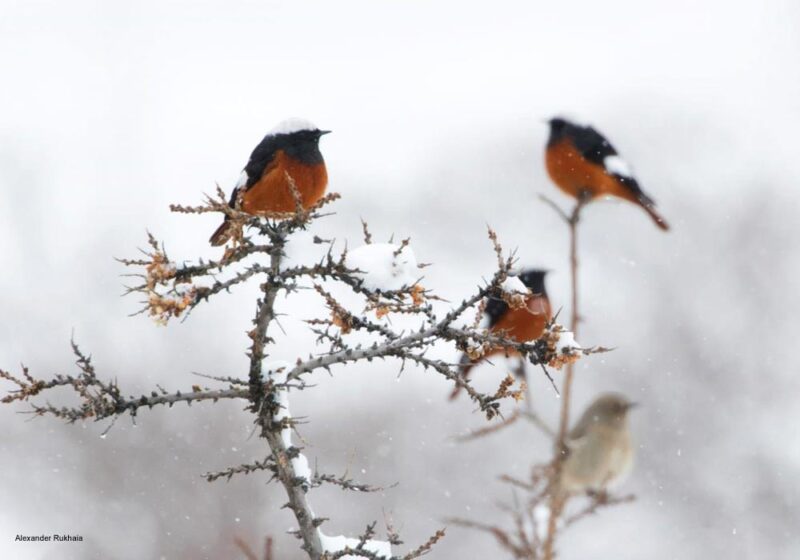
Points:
(167, 295)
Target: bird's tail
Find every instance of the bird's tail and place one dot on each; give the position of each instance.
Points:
(465, 365)
(650, 207)
(222, 234)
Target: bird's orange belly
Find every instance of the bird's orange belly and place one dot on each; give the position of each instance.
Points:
(526, 324)
(273, 194)
(572, 173)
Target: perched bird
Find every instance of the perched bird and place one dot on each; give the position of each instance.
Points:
(581, 162)
(291, 149)
(522, 325)
(599, 446)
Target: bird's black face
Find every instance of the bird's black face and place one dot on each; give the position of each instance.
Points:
(302, 145)
(558, 129)
(534, 279)
(305, 136)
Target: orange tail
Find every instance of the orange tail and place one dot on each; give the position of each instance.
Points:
(650, 209)
(465, 366)
(221, 235)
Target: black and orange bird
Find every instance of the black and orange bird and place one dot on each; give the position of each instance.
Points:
(523, 324)
(582, 163)
(290, 150)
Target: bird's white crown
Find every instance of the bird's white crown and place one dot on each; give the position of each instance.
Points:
(294, 124)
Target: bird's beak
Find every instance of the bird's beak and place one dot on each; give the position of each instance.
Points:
(324, 132)
(632, 405)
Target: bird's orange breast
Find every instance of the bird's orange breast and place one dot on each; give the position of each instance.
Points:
(573, 173)
(525, 324)
(272, 194)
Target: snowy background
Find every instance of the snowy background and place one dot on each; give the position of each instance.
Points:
(111, 111)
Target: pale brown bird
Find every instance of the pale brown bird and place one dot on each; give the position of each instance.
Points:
(599, 446)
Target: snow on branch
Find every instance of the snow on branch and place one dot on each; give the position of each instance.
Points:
(385, 267)
(344, 548)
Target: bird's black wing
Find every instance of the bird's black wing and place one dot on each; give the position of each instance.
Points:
(495, 308)
(595, 148)
(591, 144)
(259, 161)
(262, 156)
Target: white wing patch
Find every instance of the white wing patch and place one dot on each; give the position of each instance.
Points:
(293, 125)
(617, 166)
(242, 182)
(238, 188)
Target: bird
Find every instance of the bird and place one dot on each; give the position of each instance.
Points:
(583, 163)
(599, 449)
(290, 150)
(524, 324)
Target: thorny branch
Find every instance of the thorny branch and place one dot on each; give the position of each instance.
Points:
(245, 468)
(172, 290)
(346, 483)
(359, 550)
(102, 399)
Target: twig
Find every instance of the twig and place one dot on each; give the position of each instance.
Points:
(490, 429)
(245, 548)
(598, 502)
(557, 499)
(265, 465)
(346, 483)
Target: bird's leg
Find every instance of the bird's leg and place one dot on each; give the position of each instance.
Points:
(555, 207)
(584, 196)
(519, 371)
(599, 497)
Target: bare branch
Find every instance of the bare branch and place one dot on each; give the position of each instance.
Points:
(367, 234)
(346, 483)
(265, 465)
(598, 501)
(101, 399)
(245, 548)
